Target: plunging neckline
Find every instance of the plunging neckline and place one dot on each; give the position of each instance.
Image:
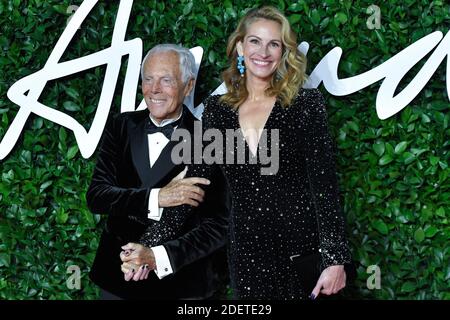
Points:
(259, 133)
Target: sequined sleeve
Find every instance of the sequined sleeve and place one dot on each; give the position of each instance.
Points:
(319, 150)
(173, 218)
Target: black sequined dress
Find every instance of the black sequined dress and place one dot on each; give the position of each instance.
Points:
(295, 211)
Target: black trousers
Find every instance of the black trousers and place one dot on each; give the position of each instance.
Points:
(106, 295)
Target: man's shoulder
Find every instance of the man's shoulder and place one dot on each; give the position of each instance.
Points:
(131, 115)
(119, 120)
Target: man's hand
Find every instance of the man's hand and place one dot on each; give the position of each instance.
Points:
(138, 261)
(331, 280)
(182, 191)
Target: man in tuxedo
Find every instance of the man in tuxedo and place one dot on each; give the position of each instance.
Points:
(134, 180)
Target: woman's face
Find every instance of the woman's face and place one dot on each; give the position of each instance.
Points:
(262, 49)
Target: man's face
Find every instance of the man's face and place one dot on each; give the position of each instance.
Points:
(162, 86)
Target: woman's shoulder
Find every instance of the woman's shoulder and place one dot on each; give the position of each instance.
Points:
(308, 100)
(214, 101)
(308, 107)
(309, 96)
(215, 108)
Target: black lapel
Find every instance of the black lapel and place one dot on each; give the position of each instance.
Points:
(139, 146)
(164, 165)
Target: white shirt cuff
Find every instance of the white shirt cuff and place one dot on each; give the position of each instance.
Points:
(154, 211)
(163, 267)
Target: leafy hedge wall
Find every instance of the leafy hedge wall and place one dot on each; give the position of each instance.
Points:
(393, 173)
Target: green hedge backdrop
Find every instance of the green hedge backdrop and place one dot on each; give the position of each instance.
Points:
(393, 173)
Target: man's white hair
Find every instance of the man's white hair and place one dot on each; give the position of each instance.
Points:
(186, 59)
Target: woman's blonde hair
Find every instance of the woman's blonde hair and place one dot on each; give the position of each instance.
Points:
(289, 75)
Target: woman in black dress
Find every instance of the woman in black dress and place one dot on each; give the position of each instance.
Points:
(294, 210)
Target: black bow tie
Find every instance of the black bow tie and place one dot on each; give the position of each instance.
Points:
(166, 130)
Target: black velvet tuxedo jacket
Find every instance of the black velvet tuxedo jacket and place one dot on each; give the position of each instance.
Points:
(120, 188)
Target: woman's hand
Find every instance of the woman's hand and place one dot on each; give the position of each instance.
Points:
(331, 281)
(138, 261)
(134, 272)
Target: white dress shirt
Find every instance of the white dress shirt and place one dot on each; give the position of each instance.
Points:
(156, 143)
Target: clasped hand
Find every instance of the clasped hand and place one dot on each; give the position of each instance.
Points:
(137, 261)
